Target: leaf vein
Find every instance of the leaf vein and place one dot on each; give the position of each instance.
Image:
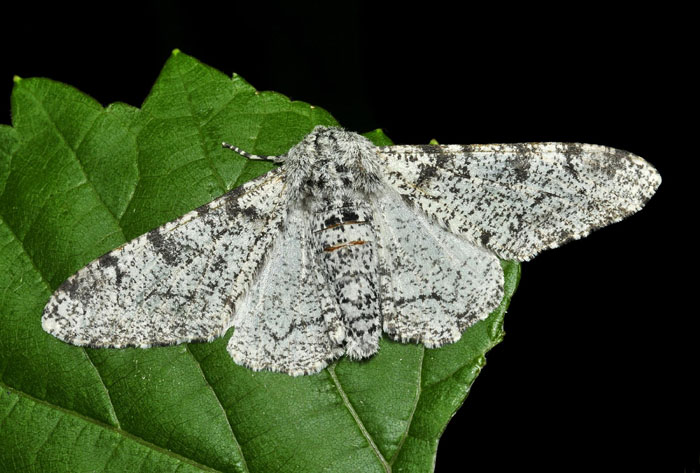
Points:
(48, 289)
(413, 410)
(113, 412)
(470, 365)
(75, 154)
(356, 417)
(220, 180)
(218, 400)
(151, 446)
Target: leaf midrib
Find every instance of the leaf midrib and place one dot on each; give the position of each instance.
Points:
(357, 419)
(419, 391)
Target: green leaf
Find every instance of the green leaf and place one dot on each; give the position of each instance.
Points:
(77, 180)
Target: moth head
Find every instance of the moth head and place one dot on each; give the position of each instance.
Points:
(331, 162)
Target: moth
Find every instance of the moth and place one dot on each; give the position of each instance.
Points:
(344, 241)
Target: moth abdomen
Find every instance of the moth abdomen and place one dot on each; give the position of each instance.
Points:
(345, 239)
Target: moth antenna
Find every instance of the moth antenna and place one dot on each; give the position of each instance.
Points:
(245, 154)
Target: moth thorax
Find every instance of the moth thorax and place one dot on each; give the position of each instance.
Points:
(331, 160)
(336, 180)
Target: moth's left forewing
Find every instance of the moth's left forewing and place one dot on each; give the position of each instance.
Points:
(177, 283)
(519, 199)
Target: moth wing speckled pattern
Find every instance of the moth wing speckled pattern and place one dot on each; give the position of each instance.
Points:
(288, 320)
(520, 199)
(434, 284)
(178, 283)
(314, 259)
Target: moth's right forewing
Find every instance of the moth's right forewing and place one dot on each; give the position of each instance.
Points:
(519, 199)
(180, 282)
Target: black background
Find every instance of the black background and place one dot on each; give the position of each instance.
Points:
(597, 369)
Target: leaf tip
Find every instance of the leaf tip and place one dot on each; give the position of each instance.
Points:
(378, 137)
(176, 51)
(16, 79)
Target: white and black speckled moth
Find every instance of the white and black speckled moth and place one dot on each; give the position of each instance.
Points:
(314, 259)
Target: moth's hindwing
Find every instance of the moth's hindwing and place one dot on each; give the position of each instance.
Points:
(282, 323)
(434, 284)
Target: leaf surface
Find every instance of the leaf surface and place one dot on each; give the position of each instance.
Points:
(77, 180)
